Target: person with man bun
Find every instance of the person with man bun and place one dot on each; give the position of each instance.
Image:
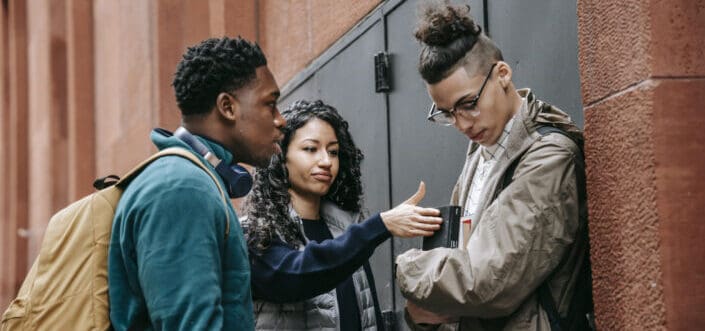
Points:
(525, 263)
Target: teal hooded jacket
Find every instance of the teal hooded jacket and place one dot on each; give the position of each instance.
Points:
(170, 264)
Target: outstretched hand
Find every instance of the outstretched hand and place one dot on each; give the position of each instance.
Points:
(408, 220)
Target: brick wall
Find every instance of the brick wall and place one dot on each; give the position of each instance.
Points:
(643, 85)
(293, 33)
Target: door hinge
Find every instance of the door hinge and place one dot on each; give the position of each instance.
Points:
(383, 75)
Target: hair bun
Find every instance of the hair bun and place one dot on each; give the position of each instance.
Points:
(441, 25)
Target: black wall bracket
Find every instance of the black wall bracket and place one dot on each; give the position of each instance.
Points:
(382, 73)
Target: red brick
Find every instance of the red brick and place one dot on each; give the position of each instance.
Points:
(180, 25)
(295, 32)
(625, 42)
(108, 52)
(680, 157)
(80, 103)
(240, 19)
(642, 81)
(624, 219)
(48, 185)
(217, 17)
(5, 249)
(17, 174)
(677, 35)
(645, 161)
(126, 91)
(195, 15)
(284, 32)
(332, 19)
(614, 46)
(136, 80)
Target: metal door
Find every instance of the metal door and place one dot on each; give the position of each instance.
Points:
(419, 149)
(539, 40)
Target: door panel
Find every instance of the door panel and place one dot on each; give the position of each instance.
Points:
(420, 150)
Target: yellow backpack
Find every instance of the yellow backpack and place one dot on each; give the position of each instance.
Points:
(67, 286)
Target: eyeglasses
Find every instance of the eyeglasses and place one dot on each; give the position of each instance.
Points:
(447, 117)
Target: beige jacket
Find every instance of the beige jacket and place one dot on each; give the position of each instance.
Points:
(526, 235)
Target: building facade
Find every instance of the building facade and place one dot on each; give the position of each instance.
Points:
(84, 81)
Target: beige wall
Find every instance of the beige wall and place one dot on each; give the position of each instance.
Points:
(84, 82)
(642, 73)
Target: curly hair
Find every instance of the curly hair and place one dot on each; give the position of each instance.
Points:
(214, 66)
(267, 206)
(450, 38)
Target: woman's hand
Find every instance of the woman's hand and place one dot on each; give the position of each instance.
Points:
(408, 220)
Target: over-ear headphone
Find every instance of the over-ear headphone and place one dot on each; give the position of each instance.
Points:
(236, 177)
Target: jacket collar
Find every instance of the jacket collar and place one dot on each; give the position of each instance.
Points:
(336, 218)
(521, 136)
(538, 113)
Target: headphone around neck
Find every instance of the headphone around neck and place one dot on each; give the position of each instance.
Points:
(237, 179)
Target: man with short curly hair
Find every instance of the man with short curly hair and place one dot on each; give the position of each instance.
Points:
(177, 257)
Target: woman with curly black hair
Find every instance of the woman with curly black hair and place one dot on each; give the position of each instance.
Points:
(308, 241)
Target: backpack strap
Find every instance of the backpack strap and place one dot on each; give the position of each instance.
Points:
(544, 294)
(177, 151)
(582, 302)
(549, 305)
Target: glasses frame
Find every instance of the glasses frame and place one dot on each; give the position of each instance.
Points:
(435, 113)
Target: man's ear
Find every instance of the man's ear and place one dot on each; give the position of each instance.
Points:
(504, 74)
(227, 106)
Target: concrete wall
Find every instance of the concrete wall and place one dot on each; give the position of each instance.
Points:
(84, 81)
(643, 83)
